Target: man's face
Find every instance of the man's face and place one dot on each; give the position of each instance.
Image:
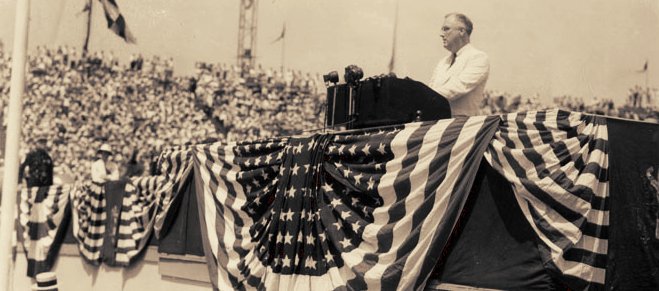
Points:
(451, 33)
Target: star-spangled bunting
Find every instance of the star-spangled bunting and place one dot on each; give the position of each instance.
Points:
(370, 209)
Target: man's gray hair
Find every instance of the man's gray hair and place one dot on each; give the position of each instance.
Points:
(464, 19)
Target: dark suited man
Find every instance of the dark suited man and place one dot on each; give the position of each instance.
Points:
(37, 169)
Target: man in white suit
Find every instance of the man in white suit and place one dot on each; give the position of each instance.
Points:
(461, 76)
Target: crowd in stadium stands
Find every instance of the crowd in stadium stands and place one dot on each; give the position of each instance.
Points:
(80, 102)
(259, 103)
(639, 106)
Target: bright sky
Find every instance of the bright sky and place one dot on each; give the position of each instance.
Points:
(581, 48)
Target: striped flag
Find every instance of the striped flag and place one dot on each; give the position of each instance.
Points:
(132, 225)
(42, 213)
(175, 164)
(557, 163)
(645, 67)
(116, 21)
(88, 212)
(282, 35)
(138, 212)
(369, 209)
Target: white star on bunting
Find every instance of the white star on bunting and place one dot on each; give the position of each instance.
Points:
(358, 178)
(295, 169)
(353, 150)
(381, 149)
(370, 183)
(366, 149)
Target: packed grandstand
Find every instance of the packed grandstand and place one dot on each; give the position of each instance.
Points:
(79, 102)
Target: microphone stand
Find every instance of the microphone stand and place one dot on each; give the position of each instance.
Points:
(351, 108)
(334, 90)
(334, 104)
(333, 78)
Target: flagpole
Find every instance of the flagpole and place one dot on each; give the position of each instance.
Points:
(89, 27)
(283, 49)
(647, 86)
(12, 143)
(392, 61)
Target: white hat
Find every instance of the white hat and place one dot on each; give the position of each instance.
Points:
(40, 135)
(105, 148)
(46, 281)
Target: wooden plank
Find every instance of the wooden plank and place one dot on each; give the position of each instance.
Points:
(184, 269)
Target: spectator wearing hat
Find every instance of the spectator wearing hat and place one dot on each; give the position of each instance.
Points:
(104, 170)
(37, 169)
(46, 281)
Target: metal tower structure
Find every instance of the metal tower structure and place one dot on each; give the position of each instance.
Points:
(247, 32)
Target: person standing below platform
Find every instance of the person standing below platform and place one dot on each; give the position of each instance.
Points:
(37, 169)
(103, 169)
(461, 76)
(106, 183)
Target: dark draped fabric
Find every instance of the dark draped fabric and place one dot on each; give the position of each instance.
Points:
(634, 241)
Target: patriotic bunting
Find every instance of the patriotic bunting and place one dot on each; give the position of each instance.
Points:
(133, 223)
(557, 163)
(175, 163)
(41, 213)
(137, 217)
(367, 210)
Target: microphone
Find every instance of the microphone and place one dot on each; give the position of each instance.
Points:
(331, 77)
(353, 74)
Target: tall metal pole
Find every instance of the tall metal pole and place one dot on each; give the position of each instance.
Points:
(241, 34)
(252, 32)
(283, 51)
(392, 61)
(10, 180)
(647, 86)
(85, 47)
(247, 27)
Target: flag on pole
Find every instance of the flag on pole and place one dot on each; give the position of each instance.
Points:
(86, 8)
(645, 67)
(116, 21)
(282, 35)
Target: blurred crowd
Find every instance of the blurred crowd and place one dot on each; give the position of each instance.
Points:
(78, 102)
(640, 104)
(258, 103)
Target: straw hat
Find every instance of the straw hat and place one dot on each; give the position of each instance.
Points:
(46, 281)
(40, 136)
(105, 148)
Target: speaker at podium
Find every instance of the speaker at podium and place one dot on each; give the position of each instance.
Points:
(383, 101)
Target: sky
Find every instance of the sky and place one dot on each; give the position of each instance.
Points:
(581, 48)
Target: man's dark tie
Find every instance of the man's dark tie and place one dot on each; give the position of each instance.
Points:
(453, 56)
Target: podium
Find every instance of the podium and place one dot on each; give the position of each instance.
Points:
(383, 101)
